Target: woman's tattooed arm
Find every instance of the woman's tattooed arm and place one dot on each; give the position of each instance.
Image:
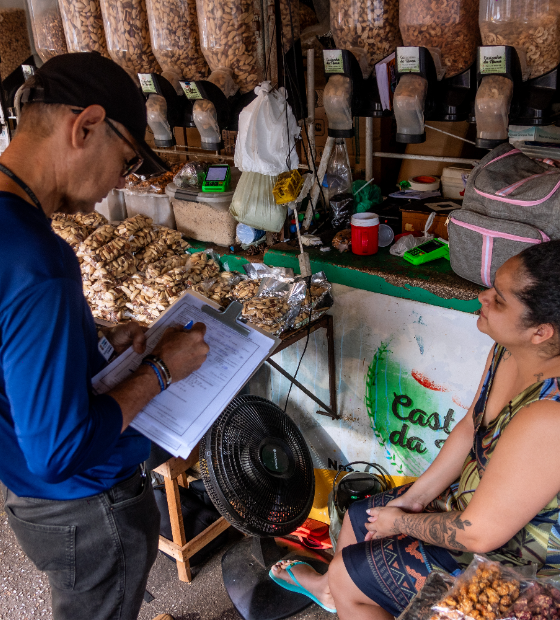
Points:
(439, 529)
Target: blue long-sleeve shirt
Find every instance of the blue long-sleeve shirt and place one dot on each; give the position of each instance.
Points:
(57, 439)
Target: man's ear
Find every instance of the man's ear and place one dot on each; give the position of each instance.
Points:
(92, 117)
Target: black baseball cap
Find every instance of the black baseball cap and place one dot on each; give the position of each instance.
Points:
(87, 78)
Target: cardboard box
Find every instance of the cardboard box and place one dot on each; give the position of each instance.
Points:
(415, 221)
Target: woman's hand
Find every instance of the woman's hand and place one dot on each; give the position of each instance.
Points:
(122, 336)
(406, 503)
(383, 522)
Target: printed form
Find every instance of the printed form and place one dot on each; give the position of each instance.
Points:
(178, 418)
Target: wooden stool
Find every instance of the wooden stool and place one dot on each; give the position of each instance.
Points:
(173, 472)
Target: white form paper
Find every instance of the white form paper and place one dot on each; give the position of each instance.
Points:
(178, 418)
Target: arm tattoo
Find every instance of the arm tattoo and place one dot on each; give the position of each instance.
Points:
(438, 529)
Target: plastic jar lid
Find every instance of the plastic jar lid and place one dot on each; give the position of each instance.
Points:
(365, 219)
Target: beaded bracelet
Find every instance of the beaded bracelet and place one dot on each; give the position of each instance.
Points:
(162, 367)
(162, 385)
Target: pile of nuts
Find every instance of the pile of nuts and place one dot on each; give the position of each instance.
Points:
(128, 36)
(83, 25)
(485, 596)
(14, 42)
(48, 33)
(538, 38)
(175, 38)
(266, 311)
(219, 290)
(227, 38)
(368, 28)
(451, 26)
(539, 602)
(246, 290)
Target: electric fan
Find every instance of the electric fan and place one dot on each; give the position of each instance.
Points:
(258, 472)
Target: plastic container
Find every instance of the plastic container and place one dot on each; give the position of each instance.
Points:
(113, 206)
(128, 36)
(156, 206)
(228, 39)
(454, 182)
(48, 31)
(365, 233)
(83, 26)
(529, 26)
(14, 40)
(493, 100)
(386, 235)
(367, 28)
(450, 27)
(174, 37)
(338, 177)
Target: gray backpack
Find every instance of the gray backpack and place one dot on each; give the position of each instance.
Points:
(511, 202)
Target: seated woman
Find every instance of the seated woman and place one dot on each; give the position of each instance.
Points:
(494, 487)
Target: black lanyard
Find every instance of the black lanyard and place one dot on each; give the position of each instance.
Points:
(23, 186)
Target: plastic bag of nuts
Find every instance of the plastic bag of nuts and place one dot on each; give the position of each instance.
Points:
(14, 41)
(47, 28)
(245, 290)
(368, 28)
(128, 36)
(435, 588)
(164, 265)
(219, 289)
(449, 25)
(485, 591)
(83, 25)
(531, 27)
(132, 224)
(93, 219)
(227, 38)
(540, 600)
(175, 39)
(97, 239)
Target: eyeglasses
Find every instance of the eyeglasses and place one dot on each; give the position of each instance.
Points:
(132, 165)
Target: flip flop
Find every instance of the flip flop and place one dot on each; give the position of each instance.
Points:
(297, 588)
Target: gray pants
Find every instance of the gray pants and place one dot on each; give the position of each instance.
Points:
(97, 551)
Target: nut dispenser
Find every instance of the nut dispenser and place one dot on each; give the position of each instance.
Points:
(128, 36)
(83, 26)
(517, 66)
(47, 28)
(437, 58)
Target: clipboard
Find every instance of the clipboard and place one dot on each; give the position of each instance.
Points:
(177, 418)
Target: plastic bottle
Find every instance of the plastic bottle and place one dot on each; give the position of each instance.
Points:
(338, 177)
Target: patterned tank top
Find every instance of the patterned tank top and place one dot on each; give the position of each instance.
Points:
(539, 540)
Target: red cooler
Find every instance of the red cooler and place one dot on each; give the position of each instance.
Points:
(365, 233)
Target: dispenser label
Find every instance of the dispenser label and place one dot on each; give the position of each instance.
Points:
(408, 59)
(333, 61)
(147, 83)
(492, 59)
(191, 90)
(28, 71)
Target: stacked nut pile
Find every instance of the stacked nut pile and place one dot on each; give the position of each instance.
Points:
(487, 595)
(175, 38)
(14, 42)
(228, 38)
(539, 38)
(368, 28)
(451, 26)
(83, 25)
(219, 289)
(128, 35)
(48, 31)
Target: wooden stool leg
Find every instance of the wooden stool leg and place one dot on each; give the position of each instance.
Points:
(332, 369)
(177, 527)
(183, 480)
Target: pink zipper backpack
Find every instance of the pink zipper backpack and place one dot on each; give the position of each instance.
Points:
(511, 202)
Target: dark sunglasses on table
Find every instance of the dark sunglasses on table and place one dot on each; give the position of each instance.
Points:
(131, 165)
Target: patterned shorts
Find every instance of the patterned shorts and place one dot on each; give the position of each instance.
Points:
(392, 570)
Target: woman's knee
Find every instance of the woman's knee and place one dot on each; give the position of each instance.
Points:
(341, 585)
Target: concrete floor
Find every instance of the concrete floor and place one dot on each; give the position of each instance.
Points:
(24, 591)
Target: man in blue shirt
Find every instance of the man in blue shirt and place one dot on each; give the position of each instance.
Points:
(76, 498)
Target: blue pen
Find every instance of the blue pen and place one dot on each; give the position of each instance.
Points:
(188, 325)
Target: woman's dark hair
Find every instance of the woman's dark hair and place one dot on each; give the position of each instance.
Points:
(541, 294)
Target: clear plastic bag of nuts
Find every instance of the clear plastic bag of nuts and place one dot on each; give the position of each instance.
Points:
(367, 28)
(175, 39)
(128, 36)
(450, 26)
(533, 28)
(48, 32)
(83, 26)
(227, 38)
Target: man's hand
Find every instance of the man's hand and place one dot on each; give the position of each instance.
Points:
(122, 336)
(383, 522)
(183, 352)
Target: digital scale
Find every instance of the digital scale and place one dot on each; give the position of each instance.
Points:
(217, 178)
(427, 251)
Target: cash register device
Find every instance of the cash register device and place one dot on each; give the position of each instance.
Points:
(217, 178)
(427, 251)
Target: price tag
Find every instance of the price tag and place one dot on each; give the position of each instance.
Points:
(191, 90)
(105, 348)
(492, 59)
(408, 59)
(333, 61)
(147, 83)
